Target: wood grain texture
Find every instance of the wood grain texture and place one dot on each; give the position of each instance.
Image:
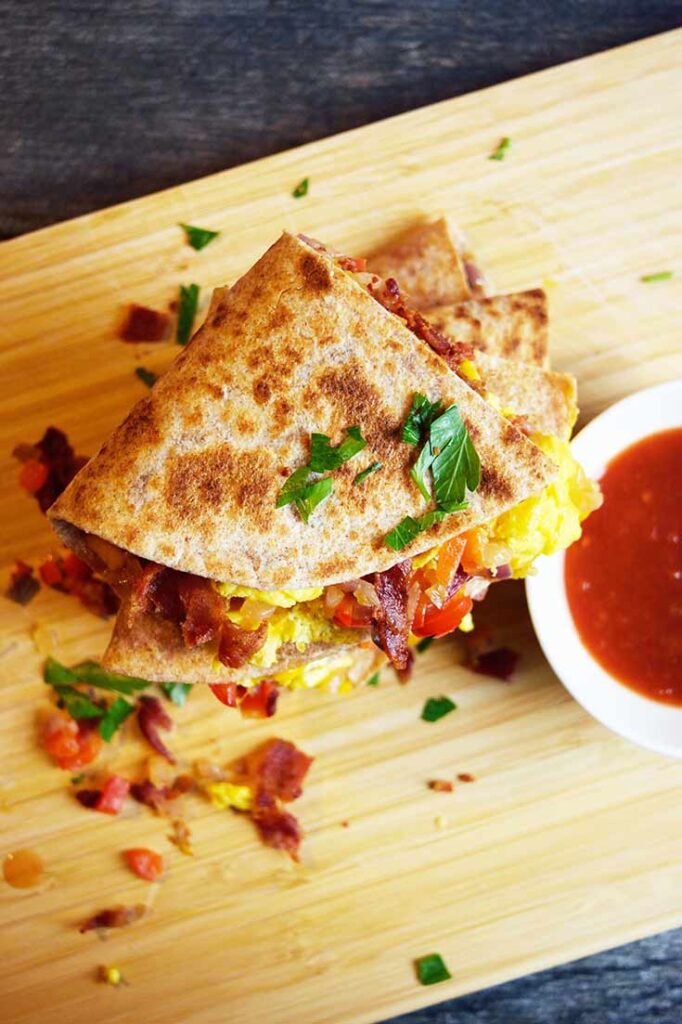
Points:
(569, 841)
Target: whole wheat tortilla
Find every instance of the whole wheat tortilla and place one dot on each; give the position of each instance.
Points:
(191, 477)
(546, 400)
(512, 326)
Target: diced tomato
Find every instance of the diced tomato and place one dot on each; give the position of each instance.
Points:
(71, 744)
(75, 568)
(449, 557)
(432, 621)
(225, 692)
(260, 702)
(350, 613)
(472, 557)
(113, 795)
(146, 864)
(33, 475)
(51, 573)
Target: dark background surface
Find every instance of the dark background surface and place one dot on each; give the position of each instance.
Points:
(106, 100)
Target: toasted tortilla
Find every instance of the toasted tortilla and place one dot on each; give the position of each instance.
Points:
(430, 263)
(149, 647)
(191, 477)
(547, 401)
(512, 326)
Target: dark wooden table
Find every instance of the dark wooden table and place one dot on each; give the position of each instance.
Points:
(104, 100)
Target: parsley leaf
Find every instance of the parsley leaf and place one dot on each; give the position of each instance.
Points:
(90, 672)
(431, 969)
(75, 702)
(662, 275)
(198, 238)
(114, 716)
(177, 692)
(312, 495)
(501, 151)
(187, 311)
(437, 707)
(294, 486)
(421, 468)
(420, 415)
(373, 680)
(324, 457)
(457, 466)
(301, 189)
(364, 473)
(408, 528)
(147, 377)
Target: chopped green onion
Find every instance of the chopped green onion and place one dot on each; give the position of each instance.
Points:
(501, 151)
(114, 716)
(373, 680)
(437, 707)
(187, 311)
(90, 672)
(198, 238)
(425, 643)
(147, 377)
(364, 473)
(301, 189)
(662, 275)
(431, 969)
(75, 702)
(177, 692)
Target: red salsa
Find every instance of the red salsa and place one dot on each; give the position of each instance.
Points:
(624, 575)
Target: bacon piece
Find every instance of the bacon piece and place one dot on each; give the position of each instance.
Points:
(405, 674)
(391, 628)
(55, 452)
(441, 786)
(71, 575)
(114, 917)
(353, 264)
(204, 610)
(144, 324)
(275, 771)
(237, 646)
(280, 829)
(152, 716)
(23, 586)
(500, 663)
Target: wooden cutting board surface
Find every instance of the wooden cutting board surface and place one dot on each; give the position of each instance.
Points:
(570, 839)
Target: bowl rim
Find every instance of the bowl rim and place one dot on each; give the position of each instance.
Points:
(640, 719)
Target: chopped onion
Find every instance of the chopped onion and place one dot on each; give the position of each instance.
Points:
(503, 572)
(412, 601)
(366, 594)
(333, 596)
(476, 588)
(254, 612)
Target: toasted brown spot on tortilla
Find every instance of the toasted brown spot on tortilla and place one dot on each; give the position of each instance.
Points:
(494, 485)
(281, 316)
(262, 391)
(282, 413)
(348, 387)
(316, 273)
(219, 481)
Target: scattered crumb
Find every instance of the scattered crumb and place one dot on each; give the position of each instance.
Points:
(110, 976)
(181, 837)
(466, 777)
(441, 785)
(345, 823)
(441, 822)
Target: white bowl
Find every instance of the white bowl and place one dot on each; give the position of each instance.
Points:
(646, 722)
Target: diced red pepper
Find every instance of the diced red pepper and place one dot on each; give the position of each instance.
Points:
(71, 744)
(33, 475)
(144, 863)
(75, 568)
(260, 702)
(51, 572)
(113, 795)
(226, 693)
(351, 614)
(432, 621)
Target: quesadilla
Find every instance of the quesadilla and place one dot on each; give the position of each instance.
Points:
(512, 326)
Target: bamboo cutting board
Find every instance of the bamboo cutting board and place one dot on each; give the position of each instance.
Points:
(570, 839)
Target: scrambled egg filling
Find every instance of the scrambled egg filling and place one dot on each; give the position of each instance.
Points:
(548, 521)
(277, 598)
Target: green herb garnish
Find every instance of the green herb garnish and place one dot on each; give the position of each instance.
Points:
(662, 275)
(147, 377)
(419, 417)
(307, 495)
(177, 692)
(93, 674)
(77, 779)
(501, 151)
(431, 969)
(364, 473)
(187, 311)
(114, 716)
(425, 643)
(324, 457)
(75, 702)
(301, 189)
(409, 528)
(437, 707)
(198, 238)
(373, 680)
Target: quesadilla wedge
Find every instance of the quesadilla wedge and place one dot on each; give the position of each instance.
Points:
(180, 506)
(512, 326)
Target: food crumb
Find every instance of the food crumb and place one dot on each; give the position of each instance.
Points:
(466, 777)
(345, 823)
(441, 822)
(110, 976)
(441, 785)
(181, 837)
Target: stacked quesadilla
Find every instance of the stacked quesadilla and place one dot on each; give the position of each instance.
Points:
(325, 474)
